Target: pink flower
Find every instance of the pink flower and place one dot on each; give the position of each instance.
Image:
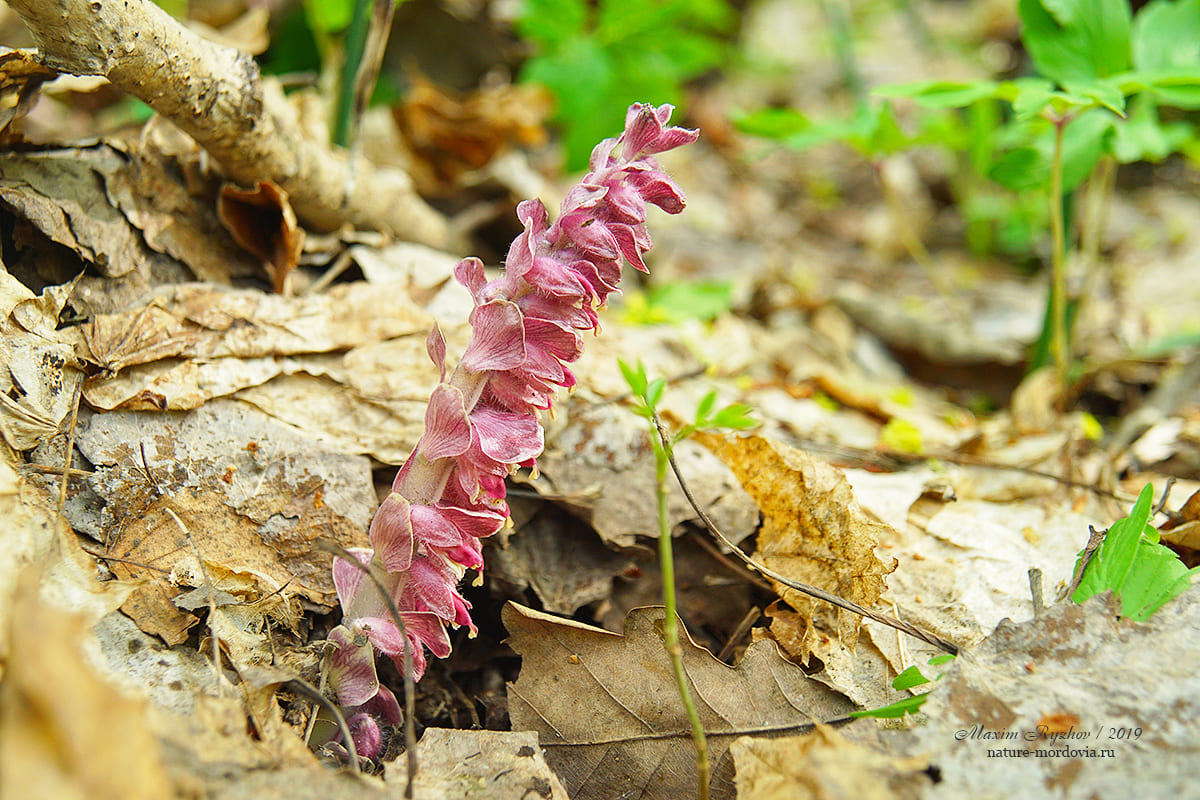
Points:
(481, 423)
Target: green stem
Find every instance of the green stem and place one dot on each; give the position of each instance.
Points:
(1058, 259)
(356, 42)
(661, 441)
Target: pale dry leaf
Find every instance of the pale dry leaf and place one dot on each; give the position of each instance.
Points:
(61, 193)
(64, 731)
(822, 765)
(603, 461)
(498, 765)
(1133, 686)
(38, 369)
(201, 321)
(813, 530)
(633, 740)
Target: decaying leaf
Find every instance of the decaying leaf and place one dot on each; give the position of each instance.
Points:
(254, 495)
(455, 763)
(822, 765)
(632, 739)
(813, 530)
(262, 221)
(39, 373)
(453, 134)
(602, 460)
(21, 75)
(1138, 713)
(64, 731)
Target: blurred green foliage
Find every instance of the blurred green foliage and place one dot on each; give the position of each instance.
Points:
(599, 58)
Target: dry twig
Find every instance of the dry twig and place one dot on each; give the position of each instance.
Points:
(216, 95)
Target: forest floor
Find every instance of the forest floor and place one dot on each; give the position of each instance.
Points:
(234, 385)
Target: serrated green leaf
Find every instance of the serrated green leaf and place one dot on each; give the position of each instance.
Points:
(1157, 576)
(908, 679)
(1077, 40)
(1101, 92)
(1029, 96)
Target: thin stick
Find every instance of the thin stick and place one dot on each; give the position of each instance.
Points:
(212, 600)
(70, 451)
(741, 630)
(1035, 591)
(811, 591)
(301, 686)
(410, 694)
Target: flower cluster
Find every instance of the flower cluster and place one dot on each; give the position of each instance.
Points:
(481, 422)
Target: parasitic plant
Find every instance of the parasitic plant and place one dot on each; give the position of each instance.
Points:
(482, 419)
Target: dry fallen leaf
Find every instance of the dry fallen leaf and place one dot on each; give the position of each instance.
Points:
(262, 221)
(64, 731)
(631, 739)
(813, 531)
(38, 370)
(822, 765)
(1133, 686)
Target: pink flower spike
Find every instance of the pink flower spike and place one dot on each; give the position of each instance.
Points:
(446, 430)
(348, 579)
(498, 340)
(469, 272)
(352, 667)
(392, 533)
(506, 437)
(435, 345)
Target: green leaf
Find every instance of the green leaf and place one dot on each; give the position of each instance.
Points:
(1077, 40)
(1166, 35)
(1116, 554)
(636, 378)
(734, 416)
(908, 705)
(1157, 576)
(654, 392)
(1085, 139)
(944, 658)
(908, 679)
(941, 94)
(1099, 92)
(706, 405)
(1029, 96)
(773, 123)
(703, 300)
(551, 23)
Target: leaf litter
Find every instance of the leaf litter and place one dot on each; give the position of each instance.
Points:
(262, 416)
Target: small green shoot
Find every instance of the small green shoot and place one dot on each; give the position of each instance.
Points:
(909, 679)
(647, 395)
(1142, 572)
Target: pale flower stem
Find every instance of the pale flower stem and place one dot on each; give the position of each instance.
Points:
(666, 558)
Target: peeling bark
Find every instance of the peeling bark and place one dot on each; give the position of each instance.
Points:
(217, 96)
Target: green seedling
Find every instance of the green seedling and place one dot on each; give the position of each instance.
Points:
(1132, 563)
(597, 58)
(1102, 76)
(910, 678)
(647, 395)
(675, 302)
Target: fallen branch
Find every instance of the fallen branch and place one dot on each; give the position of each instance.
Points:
(216, 95)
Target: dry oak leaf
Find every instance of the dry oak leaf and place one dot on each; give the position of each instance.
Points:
(813, 530)
(822, 765)
(608, 713)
